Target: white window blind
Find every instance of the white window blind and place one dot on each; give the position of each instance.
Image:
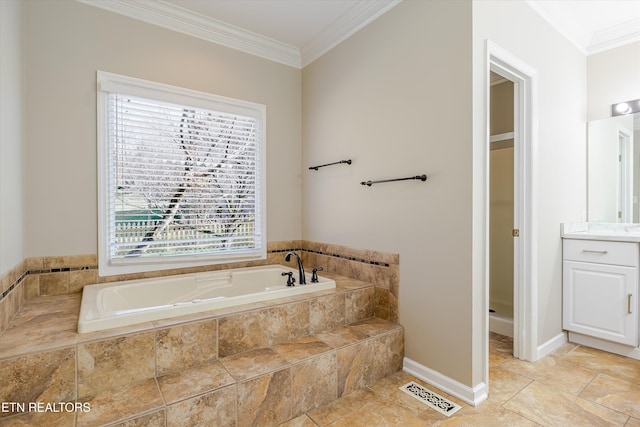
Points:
(185, 183)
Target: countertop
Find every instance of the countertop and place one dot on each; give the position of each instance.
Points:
(601, 231)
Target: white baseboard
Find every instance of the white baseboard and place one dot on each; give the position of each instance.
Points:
(611, 347)
(473, 396)
(501, 325)
(552, 345)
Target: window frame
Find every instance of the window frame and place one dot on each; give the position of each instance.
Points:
(114, 83)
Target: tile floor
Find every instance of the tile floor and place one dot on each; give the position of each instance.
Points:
(574, 386)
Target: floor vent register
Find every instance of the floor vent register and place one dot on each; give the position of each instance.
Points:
(431, 399)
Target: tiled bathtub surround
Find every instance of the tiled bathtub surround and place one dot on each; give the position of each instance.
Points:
(12, 293)
(204, 369)
(59, 275)
(377, 268)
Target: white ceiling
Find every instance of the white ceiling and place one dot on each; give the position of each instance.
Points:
(294, 22)
(292, 32)
(593, 25)
(296, 32)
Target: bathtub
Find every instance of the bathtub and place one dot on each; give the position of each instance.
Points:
(112, 305)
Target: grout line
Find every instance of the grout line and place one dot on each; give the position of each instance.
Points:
(597, 374)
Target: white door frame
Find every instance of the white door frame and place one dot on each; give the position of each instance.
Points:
(525, 82)
(625, 191)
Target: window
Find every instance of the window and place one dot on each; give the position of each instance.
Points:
(180, 175)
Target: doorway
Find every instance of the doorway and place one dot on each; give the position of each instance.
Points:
(525, 298)
(501, 205)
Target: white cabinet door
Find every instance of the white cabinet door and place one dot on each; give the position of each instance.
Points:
(600, 300)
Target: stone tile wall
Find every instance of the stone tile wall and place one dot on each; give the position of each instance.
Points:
(12, 293)
(379, 269)
(67, 274)
(199, 369)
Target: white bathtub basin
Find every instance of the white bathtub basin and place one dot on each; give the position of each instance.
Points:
(111, 305)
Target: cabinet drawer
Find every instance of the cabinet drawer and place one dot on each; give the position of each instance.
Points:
(602, 252)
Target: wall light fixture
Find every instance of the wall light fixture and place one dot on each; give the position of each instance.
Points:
(628, 107)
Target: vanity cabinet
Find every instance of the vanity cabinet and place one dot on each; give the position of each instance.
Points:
(600, 289)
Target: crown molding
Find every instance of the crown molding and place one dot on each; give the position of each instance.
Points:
(616, 36)
(589, 43)
(172, 17)
(178, 19)
(360, 15)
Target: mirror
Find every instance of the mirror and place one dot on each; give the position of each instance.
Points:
(613, 169)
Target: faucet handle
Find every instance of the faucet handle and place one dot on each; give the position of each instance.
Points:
(314, 274)
(290, 280)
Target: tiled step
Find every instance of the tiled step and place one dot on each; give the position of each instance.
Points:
(262, 387)
(257, 364)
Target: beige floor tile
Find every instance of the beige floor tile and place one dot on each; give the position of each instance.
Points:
(563, 350)
(501, 349)
(614, 393)
(608, 363)
(550, 407)
(340, 408)
(520, 394)
(633, 422)
(36, 419)
(477, 417)
(154, 419)
(558, 373)
(301, 421)
(504, 384)
(376, 413)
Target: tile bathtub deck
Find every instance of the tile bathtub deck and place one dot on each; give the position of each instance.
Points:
(575, 386)
(42, 358)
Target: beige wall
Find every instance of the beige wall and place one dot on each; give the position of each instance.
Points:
(560, 151)
(66, 42)
(613, 76)
(395, 98)
(11, 134)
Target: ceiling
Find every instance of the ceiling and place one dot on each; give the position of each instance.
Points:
(296, 32)
(295, 22)
(593, 25)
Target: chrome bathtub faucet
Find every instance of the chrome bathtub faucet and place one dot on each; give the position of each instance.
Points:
(287, 258)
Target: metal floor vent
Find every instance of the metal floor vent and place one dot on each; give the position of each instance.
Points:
(431, 399)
